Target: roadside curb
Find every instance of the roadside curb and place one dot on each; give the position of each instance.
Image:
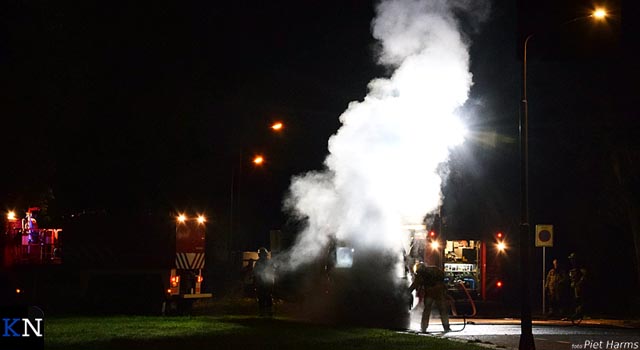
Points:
(595, 322)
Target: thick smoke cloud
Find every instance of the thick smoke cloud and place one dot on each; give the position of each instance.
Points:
(382, 167)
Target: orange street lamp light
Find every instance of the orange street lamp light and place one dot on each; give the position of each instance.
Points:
(258, 160)
(277, 126)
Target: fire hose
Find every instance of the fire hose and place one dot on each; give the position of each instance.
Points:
(455, 312)
(464, 316)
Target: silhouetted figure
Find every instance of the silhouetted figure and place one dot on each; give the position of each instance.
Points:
(263, 276)
(578, 277)
(248, 285)
(555, 286)
(431, 280)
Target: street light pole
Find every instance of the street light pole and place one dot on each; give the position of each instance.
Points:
(526, 334)
(232, 199)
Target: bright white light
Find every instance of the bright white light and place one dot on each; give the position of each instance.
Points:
(501, 246)
(201, 219)
(182, 218)
(600, 13)
(11, 215)
(435, 245)
(344, 257)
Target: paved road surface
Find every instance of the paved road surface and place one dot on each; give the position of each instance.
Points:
(548, 335)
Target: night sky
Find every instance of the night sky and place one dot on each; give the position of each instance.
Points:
(124, 105)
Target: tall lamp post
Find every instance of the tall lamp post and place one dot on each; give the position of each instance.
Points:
(526, 334)
(257, 160)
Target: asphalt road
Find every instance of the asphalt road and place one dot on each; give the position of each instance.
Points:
(548, 335)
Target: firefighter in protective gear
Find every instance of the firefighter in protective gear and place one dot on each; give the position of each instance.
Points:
(555, 285)
(431, 280)
(264, 278)
(577, 276)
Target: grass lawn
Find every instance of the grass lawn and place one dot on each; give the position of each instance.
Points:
(224, 332)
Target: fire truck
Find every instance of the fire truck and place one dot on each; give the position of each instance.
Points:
(107, 262)
(472, 266)
(24, 242)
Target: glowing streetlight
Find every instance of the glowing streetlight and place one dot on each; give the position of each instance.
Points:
(258, 160)
(201, 219)
(277, 126)
(182, 218)
(11, 215)
(501, 246)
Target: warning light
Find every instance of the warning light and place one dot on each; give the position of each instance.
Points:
(499, 284)
(432, 234)
(175, 280)
(499, 235)
(599, 13)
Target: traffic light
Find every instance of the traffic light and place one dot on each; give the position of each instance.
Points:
(433, 240)
(500, 242)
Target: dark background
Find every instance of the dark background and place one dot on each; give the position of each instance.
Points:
(155, 108)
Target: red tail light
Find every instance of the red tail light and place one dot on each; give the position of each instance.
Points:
(499, 284)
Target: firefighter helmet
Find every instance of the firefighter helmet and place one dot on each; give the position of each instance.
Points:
(421, 268)
(263, 252)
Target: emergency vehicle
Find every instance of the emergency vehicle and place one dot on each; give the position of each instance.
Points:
(472, 266)
(24, 242)
(107, 261)
(185, 280)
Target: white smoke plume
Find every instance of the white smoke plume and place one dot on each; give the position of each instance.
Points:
(381, 172)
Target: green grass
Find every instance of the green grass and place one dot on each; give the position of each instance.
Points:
(224, 332)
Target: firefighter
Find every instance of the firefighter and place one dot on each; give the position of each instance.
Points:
(554, 286)
(578, 277)
(263, 277)
(431, 280)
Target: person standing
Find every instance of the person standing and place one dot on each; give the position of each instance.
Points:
(264, 279)
(554, 285)
(578, 278)
(431, 280)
